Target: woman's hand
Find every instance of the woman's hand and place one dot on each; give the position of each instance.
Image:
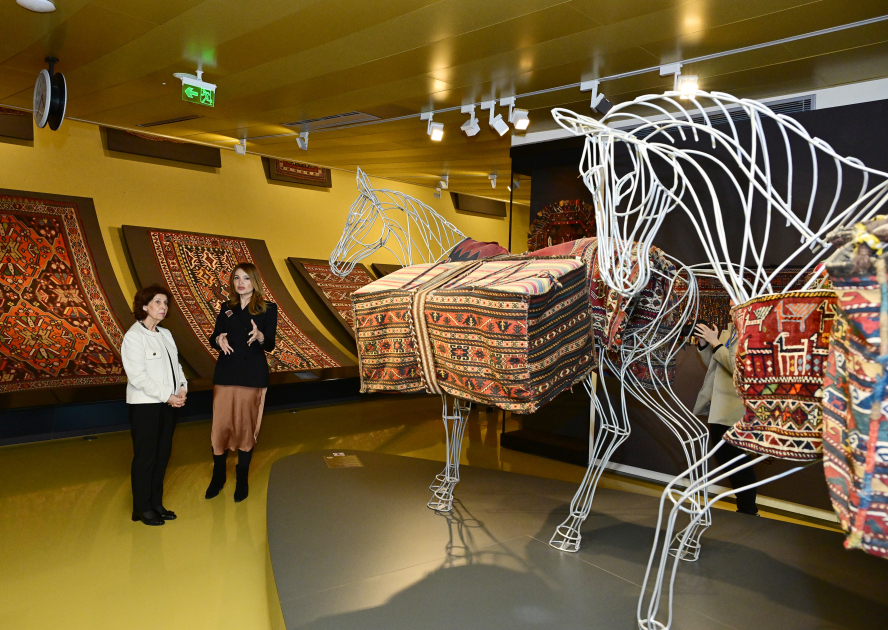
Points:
(707, 334)
(176, 401)
(255, 335)
(222, 340)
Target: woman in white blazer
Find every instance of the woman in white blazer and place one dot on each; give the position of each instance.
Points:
(156, 386)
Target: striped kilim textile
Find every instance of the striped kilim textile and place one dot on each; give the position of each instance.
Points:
(782, 345)
(510, 333)
(855, 447)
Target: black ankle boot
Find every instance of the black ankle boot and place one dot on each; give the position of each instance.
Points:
(218, 479)
(242, 489)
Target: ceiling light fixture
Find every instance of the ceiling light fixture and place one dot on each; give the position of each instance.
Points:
(437, 193)
(435, 129)
(518, 117)
(302, 141)
(37, 6)
(687, 85)
(599, 103)
(444, 182)
(471, 126)
(497, 121)
(241, 147)
(492, 178)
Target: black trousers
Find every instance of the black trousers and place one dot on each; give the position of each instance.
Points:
(727, 452)
(152, 427)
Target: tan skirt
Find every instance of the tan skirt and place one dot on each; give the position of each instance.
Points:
(237, 415)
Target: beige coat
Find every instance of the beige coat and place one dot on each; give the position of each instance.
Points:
(718, 397)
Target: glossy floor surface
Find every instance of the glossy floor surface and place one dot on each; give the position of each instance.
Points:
(72, 558)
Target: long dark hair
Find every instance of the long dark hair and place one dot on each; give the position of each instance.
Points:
(258, 303)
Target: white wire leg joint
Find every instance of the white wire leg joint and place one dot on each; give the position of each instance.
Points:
(455, 416)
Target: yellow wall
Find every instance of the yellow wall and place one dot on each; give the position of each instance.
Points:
(235, 200)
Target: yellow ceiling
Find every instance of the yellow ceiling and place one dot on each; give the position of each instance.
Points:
(278, 61)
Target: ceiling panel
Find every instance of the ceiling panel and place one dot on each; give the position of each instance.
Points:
(279, 61)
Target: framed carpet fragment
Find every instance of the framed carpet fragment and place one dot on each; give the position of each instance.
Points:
(297, 172)
(61, 307)
(138, 143)
(195, 267)
(334, 292)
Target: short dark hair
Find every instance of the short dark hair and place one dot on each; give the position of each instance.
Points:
(143, 296)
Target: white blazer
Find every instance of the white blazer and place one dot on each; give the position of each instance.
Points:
(148, 373)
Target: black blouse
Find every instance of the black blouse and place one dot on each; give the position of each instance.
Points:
(246, 365)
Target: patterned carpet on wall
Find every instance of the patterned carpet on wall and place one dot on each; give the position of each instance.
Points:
(334, 291)
(60, 304)
(196, 268)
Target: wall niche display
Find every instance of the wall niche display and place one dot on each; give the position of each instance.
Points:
(335, 292)
(16, 123)
(297, 172)
(61, 307)
(148, 145)
(195, 268)
(561, 222)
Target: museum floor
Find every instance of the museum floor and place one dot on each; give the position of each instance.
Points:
(72, 558)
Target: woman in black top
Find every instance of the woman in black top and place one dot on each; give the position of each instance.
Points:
(245, 330)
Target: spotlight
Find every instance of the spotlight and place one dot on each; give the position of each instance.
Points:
(497, 121)
(241, 147)
(302, 141)
(37, 6)
(687, 85)
(518, 117)
(444, 182)
(435, 130)
(492, 178)
(599, 103)
(471, 126)
(437, 193)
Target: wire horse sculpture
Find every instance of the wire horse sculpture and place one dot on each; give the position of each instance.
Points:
(653, 347)
(373, 224)
(630, 210)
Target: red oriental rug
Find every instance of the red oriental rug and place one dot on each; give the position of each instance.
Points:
(196, 267)
(58, 325)
(782, 345)
(561, 222)
(335, 292)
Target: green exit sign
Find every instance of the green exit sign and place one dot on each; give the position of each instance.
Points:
(199, 95)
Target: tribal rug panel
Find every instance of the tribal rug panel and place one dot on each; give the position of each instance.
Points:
(513, 334)
(470, 249)
(855, 446)
(561, 222)
(387, 348)
(614, 316)
(196, 270)
(338, 290)
(782, 345)
(57, 328)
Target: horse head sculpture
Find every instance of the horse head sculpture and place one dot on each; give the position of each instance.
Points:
(387, 219)
(663, 176)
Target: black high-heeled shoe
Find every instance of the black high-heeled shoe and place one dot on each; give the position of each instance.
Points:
(149, 518)
(165, 514)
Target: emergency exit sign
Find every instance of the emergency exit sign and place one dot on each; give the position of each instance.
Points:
(199, 95)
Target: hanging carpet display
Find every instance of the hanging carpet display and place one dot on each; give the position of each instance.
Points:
(196, 268)
(782, 344)
(855, 407)
(335, 292)
(510, 332)
(60, 304)
(561, 222)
